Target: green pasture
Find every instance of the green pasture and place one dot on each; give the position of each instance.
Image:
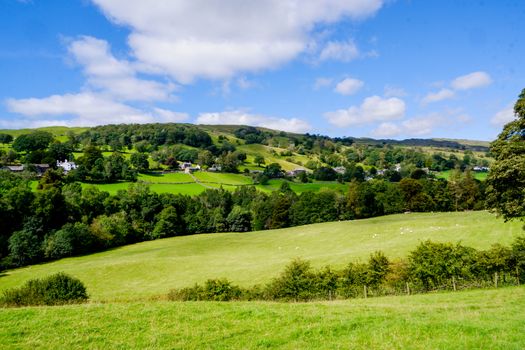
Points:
(481, 176)
(223, 178)
(58, 131)
(479, 319)
(152, 268)
(297, 187)
(265, 151)
(176, 177)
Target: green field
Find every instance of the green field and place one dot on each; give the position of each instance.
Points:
(181, 183)
(223, 178)
(152, 268)
(480, 319)
(481, 176)
(177, 177)
(316, 186)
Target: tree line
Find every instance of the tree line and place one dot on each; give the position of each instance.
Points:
(431, 266)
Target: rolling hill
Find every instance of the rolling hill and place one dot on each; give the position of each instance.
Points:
(150, 269)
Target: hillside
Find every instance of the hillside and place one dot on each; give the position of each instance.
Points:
(246, 258)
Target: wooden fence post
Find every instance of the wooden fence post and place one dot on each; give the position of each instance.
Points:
(365, 291)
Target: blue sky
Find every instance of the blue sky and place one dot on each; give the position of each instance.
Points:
(365, 68)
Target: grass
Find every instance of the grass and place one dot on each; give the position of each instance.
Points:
(299, 188)
(265, 151)
(223, 178)
(177, 177)
(152, 268)
(481, 176)
(480, 319)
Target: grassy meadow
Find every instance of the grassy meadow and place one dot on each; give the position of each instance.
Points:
(479, 319)
(149, 269)
(481, 176)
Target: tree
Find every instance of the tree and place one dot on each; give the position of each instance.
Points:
(258, 160)
(24, 247)
(140, 161)
(506, 180)
(169, 224)
(38, 140)
(6, 138)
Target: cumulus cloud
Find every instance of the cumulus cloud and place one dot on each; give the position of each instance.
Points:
(504, 116)
(386, 130)
(418, 126)
(87, 109)
(373, 109)
(465, 82)
(218, 39)
(472, 81)
(339, 51)
(443, 94)
(394, 91)
(168, 116)
(115, 77)
(322, 83)
(348, 86)
(239, 117)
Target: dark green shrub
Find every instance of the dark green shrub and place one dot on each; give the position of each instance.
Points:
(213, 290)
(53, 290)
(434, 265)
(220, 290)
(296, 283)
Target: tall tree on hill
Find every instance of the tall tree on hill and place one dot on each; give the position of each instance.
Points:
(506, 181)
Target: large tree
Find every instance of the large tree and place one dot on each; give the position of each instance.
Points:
(506, 181)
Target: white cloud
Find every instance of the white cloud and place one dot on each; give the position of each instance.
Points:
(239, 117)
(419, 126)
(167, 116)
(87, 109)
(386, 130)
(504, 116)
(219, 39)
(115, 77)
(423, 125)
(393, 91)
(472, 81)
(339, 51)
(373, 109)
(322, 83)
(441, 95)
(348, 86)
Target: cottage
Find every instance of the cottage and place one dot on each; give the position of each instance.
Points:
(340, 169)
(67, 166)
(296, 172)
(41, 168)
(14, 168)
(190, 169)
(483, 169)
(215, 168)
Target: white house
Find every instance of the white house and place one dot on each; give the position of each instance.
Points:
(67, 166)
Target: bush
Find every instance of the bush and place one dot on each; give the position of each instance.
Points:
(213, 290)
(56, 289)
(296, 283)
